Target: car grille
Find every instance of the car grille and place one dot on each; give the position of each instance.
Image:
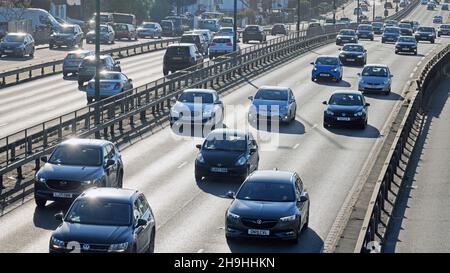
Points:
(63, 185)
(344, 114)
(253, 223)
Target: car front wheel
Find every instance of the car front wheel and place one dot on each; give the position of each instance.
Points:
(40, 202)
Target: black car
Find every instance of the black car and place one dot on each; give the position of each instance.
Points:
(378, 27)
(425, 34)
(76, 165)
(254, 33)
(17, 44)
(406, 29)
(227, 153)
(88, 67)
(198, 40)
(181, 56)
(68, 35)
(365, 31)
(354, 54)
(279, 29)
(106, 220)
(346, 108)
(406, 44)
(269, 204)
(346, 36)
(443, 30)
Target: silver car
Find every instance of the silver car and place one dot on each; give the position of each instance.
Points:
(149, 29)
(375, 78)
(111, 84)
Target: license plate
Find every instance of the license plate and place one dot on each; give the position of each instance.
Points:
(351, 60)
(343, 119)
(405, 48)
(259, 232)
(62, 195)
(8, 51)
(323, 75)
(219, 170)
(104, 86)
(177, 58)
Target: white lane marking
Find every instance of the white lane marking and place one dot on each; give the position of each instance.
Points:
(411, 75)
(315, 126)
(4, 124)
(182, 165)
(415, 69)
(201, 250)
(419, 63)
(296, 146)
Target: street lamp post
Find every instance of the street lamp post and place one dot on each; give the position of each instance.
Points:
(97, 67)
(298, 16)
(334, 12)
(358, 13)
(373, 15)
(235, 27)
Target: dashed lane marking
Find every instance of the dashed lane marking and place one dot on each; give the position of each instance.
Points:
(182, 165)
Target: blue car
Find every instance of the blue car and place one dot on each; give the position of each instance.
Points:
(391, 34)
(327, 67)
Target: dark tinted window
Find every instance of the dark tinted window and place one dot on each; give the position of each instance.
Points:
(252, 28)
(222, 40)
(374, 71)
(226, 142)
(347, 32)
(404, 26)
(365, 28)
(267, 94)
(346, 99)
(327, 61)
(67, 30)
(392, 30)
(99, 212)
(76, 155)
(14, 38)
(198, 97)
(267, 191)
(426, 29)
(120, 27)
(190, 39)
(407, 39)
(109, 76)
(178, 51)
(355, 48)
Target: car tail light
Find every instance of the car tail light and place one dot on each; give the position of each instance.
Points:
(117, 86)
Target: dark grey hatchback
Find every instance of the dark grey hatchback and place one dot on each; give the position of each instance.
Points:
(106, 220)
(269, 204)
(75, 166)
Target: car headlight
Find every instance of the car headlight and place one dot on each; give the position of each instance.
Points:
(288, 218)
(359, 114)
(207, 113)
(330, 113)
(315, 69)
(56, 243)
(118, 247)
(200, 158)
(342, 55)
(386, 82)
(232, 216)
(360, 56)
(242, 161)
(92, 181)
(334, 70)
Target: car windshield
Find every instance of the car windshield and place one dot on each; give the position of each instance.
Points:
(76, 55)
(104, 18)
(226, 30)
(103, 29)
(374, 71)
(407, 39)
(166, 24)
(327, 61)
(148, 26)
(353, 48)
(109, 76)
(226, 142)
(426, 29)
(392, 30)
(404, 26)
(178, 51)
(377, 24)
(196, 97)
(347, 32)
(266, 192)
(67, 30)
(227, 21)
(267, 94)
(190, 39)
(92, 211)
(346, 99)
(365, 28)
(120, 27)
(14, 38)
(76, 155)
(445, 27)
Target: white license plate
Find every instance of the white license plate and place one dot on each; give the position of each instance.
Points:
(9, 51)
(351, 60)
(219, 170)
(405, 48)
(259, 232)
(62, 195)
(343, 119)
(177, 58)
(323, 75)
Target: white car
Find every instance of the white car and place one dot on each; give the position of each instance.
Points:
(205, 32)
(226, 31)
(221, 45)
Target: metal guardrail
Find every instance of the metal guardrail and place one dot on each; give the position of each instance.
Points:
(430, 75)
(27, 146)
(53, 67)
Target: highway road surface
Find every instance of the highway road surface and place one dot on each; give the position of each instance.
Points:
(190, 214)
(421, 221)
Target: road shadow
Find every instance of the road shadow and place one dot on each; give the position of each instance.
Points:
(411, 55)
(219, 186)
(194, 131)
(342, 84)
(309, 242)
(16, 59)
(293, 128)
(45, 217)
(369, 132)
(65, 49)
(391, 97)
(404, 196)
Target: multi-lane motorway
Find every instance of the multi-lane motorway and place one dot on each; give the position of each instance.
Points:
(190, 214)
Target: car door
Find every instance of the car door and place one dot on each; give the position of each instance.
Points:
(141, 233)
(147, 216)
(254, 156)
(111, 171)
(300, 191)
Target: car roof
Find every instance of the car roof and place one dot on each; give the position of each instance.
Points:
(328, 56)
(279, 88)
(85, 142)
(91, 57)
(79, 51)
(271, 176)
(349, 92)
(110, 194)
(209, 91)
(229, 131)
(380, 65)
(68, 25)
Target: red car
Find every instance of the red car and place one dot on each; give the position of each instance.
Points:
(125, 31)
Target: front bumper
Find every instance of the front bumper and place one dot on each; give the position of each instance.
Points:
(91, 39)
(326, 75)
(11, 52)
(346, 41)
(364, 87)
(365, 36)
(58, 42)
(424, 38)
(406, 49)
(204, 121)
(280, 231)
(268, 117)
(352, 121)
(253, 37)
(204, 170)
(351, 59)
(43, 191)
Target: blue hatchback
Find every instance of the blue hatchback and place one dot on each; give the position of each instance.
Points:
(327, 67)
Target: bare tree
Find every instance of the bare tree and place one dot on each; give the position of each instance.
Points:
(13, 10)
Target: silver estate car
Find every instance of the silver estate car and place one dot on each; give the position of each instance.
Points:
(375, 78)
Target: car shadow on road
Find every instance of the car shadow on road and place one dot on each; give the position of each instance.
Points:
(392, 96)
(187, 130)
(343, 84)
(16, 59)
(369, 132)
(45, 217)
(219, 186)
(293, 128)
(309, 242)
(65, 49)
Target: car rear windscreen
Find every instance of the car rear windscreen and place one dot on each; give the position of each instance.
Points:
(178, 51)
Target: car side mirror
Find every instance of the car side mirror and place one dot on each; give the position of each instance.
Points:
(253, 150)
(231, 195)
(130, 80)
(367, 104)
(44, 159)
(359, 74)
(199, 146)
(339, 49)
(324, 103)
(392, 76)
(312, 63)
(141, 223)
(219, 102)
(59, 217)
(117, 62)
(110, 162)
(251, 98)
(302, 199)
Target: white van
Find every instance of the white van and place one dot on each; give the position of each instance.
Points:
(39, 18)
